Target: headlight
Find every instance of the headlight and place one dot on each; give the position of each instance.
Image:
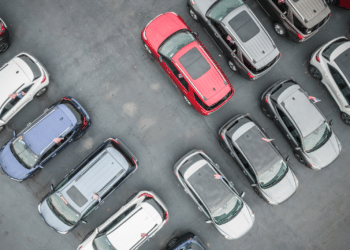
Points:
(62, 232)
(39, 207)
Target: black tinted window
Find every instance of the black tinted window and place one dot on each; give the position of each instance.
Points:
(178, 75)
(330, 49)
(32, 66)
(341, 83)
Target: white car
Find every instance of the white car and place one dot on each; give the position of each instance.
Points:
(22, 78)
(330, 64)
(137, 221)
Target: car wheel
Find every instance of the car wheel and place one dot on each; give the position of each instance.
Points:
(188, 101)
(41, 92)
(172, 243)
(2, 128)
(193, 14)
(131, 197)
(299, 158)
(232, 65)
(280, 29)
(315, 73)
(344, 117)
(265, 112)
(3, 47)
(224, 147)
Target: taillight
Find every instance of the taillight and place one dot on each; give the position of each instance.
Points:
(250, 75)
(2, 29)
(266, 100)
(192, 2)
(222, 137)
(300, 37)
(84, 123)
(147, 195)
(175, 174)
(167, 217)
(116, 141)
(135, 163)
(64, 98)
(310, 165)
(44, 79)
(80, 247)
(280, 54)
(318, 58)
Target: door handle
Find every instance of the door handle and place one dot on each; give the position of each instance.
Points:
(53, 155)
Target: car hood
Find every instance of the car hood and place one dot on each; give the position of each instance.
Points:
(239, 225)
(284, 189)
(51, 219)
(11, 166)
(326, 154)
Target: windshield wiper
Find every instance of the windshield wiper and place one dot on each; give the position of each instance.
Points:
(322, 141)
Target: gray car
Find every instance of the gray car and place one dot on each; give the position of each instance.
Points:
(330, 64)
(214, 194)
(239, 35)
(292, 109)
(260, 160)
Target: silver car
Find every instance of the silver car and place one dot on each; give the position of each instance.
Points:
(331, 65)
(22, 78)
(137, 221)
(214, 194)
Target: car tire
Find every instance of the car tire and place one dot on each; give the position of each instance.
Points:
(193, 14)
(265, 112)
(299, 158)
(2, 128)
(41, 92)
(131, 197)
(172, 243)
(224, 147)
(188, 101)
(315, 73)
(344, 117)
(279, 29)
(4, 46)
(88, 235)
(232, 66)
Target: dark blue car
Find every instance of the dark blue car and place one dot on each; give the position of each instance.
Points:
(188, 241)
(60, 125)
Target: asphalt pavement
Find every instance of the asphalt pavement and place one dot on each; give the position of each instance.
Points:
(93, 52)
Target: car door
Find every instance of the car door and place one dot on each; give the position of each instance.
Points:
(177, 76)
(341, 90)
(218, 34)
(244, 165)
(280, 12)
(271, 12)
(290, 130)
(27, 96)
(9, 109)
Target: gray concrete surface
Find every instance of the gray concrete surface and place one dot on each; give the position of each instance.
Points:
(92, 50)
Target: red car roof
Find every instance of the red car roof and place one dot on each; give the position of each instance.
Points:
(162, 27)
(210, 86)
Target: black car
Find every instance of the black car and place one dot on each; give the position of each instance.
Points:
(4, 37)
(87, 186)
(239, 35)
(63, 123)
(188, 241)
(308, 131)
(299, 19)
(340, 3)
(258, 158)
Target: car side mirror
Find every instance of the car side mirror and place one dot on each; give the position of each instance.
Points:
(195, 33)
(83, 221)
(14, 133)
(160, 59)
(253, 185)
(242, 194)
(52, 187)
(298, 148)
(347, 106)
(208, 221)
(331, 122)
(287, 158)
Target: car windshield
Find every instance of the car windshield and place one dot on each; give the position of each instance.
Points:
(273, 175)
(222, 7)
(23, 153)
(176, 42)
(317, 138)
(60, 207)
(102, 243)
(228, 211)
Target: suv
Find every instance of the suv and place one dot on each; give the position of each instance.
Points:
(259, 159)
(4, 36)
(87, 186)
(186, 61)
(188, 241)
(330, 64)
(135, 223)
(238, 34)
(22, 78)
(308, 131)
(300, 19)
(60, 125)
(214, 194)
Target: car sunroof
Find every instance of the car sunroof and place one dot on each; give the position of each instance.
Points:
(194, 63)
(76, 196)
(244, 26)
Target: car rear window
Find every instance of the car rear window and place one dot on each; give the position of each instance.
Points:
(32, 65)
(244, 26)
(74, 111)
(194, 63)
(222, 7)
(330, 49)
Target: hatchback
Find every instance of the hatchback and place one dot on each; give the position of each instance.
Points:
(330, 64)
(188, 241)
(299, 19)
(134, 224)
(4, 36)
(21, 79)
(214, 194)
(293, 110)
(186, 61)
(259, 159)
(87, 186)
(60, 125)
(239, 35)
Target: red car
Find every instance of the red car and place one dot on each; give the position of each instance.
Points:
(184, 58)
